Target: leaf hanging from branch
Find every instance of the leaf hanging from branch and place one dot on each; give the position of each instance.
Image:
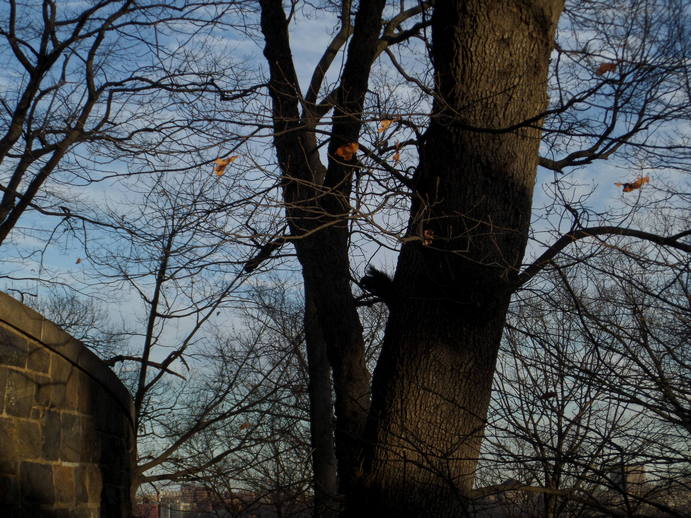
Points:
(347, 151)
(606, 67)
(632, 186)
(397, 154)
(384, 125)
(222, 163)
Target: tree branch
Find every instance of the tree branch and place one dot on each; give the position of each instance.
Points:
(122, 357)
(571, 237)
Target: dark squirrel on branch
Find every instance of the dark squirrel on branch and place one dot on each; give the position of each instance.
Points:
(379, 284)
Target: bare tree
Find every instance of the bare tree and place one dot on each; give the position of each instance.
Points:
(87, 78)
(167, 256)
(591, 413)
(84, 318)
(414, 449)
(443, 176)
(273, 470)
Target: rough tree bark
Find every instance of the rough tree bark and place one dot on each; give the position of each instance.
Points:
(317, 205)
(324, 463)
(473, 191)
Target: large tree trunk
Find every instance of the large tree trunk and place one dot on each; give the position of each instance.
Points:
(474, 186)
(317, 213)
(324, 464)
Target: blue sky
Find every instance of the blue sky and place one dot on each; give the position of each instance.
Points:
(27, 255)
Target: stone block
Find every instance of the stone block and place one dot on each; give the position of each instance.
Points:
(3, 384)
(53, 394)
(72, 390)
(13, 348)
(37, 483)
(20, 391)
(107, 416)
(81, 484)
(29, 439)
(44, 394)
(38, 412)
(52, 435)
(111, 499)
(88, 484)
(63, 391)
(86, 512)
(9, 491)
(8, 451)
(63, 481)
(8, 466)
(88, 393)
(92, 440)
(60, 368)
(114, 459)
(43, 384)
(72, 445)
(38, 359)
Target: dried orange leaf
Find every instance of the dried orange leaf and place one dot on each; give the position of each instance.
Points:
(636, 184)
(606, 67)
(384, 125)
(428, 236)
(347, 151)
(397, 155)
(222, 163)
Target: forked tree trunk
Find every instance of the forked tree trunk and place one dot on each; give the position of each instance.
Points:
(474, 186)
(317, 212)
(470, 210)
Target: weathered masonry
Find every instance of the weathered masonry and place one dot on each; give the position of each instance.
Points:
(66, 426)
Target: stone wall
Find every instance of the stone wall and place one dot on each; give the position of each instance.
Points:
(66, 426)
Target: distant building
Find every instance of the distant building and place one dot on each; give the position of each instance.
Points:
(192, 501)
(146, 510)
(624, 489)
(629, 478)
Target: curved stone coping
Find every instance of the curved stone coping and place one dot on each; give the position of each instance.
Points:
(35, 326)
